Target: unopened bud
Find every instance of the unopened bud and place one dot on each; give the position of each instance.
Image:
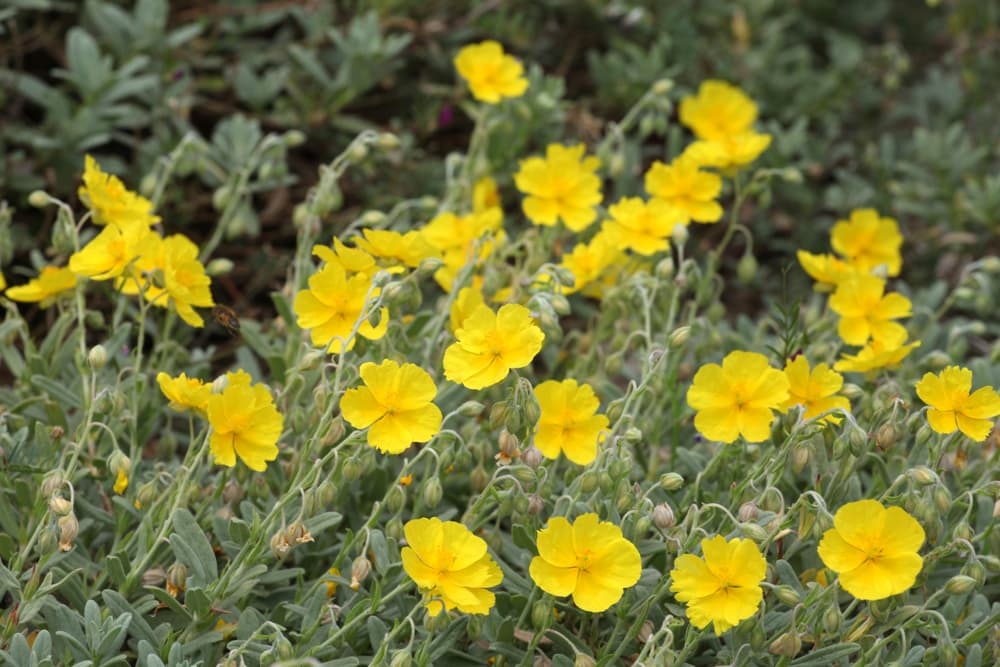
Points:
(886, 436)
(680, 336)
(748, 512)
(293, 138)
(584, 660)
(679, 235)
(395, 499)
(387, 141)
(479, 478)
(60, 506)
(746, 269)
(671, 481)
(401, 658)
(357, 152)
(509, 444)
(535, 504)
(97, 357)
(662, 86)
(176, 578)
(541, 614)
(432, 492)
(52, 483)
(588, 481)
(360, 569)
(219, 266)
(665, 267)
(922, 475)
(753, 531)
(470, 409)
(279, 545)
(532, 457)
(68, 529)
(788, 644)
(788, 595)
(663, 516)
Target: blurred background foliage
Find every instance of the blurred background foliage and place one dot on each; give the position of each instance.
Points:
(884, 103)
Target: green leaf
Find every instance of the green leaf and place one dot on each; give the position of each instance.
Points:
(199, 603)
(60, 393)
(192, 548)
(826, 655)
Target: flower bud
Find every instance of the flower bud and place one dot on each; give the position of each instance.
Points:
(219, 266)
(746, 269)
(97, 357)
(387, 141)
(671, 481)
(665, 268)
(470, 409)
(584, 660)
(68, 529)
(541, 614)
(748, 512)
(788, 644)
(662, 86)
(535, 504)
(788, 595)
(357, 152)
(663, 516)
(39, 199)
(394, 528)
(395, 499)
(352, 469)
(52, 483)
(509, 444)
(922, 475)
(942, 499)
(680, 336)
(831, 620)
(991, 562)
(479, 478)
(679, 234)
(154, 576)
(401, 658)
(279, 545)
(293, 138)
(176, 579)
(59, 505)
(360, 569)
(432, 492)
(532, 457)
(975, 570)
(886, 436)
(588, 481)
(753, 531)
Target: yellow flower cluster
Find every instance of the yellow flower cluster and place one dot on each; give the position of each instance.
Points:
(165, 272)
(243, 418)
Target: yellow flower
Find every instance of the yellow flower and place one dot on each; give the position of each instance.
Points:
(562, 185)
(408, 249)
(568, 422)
(866, 312)
(722, 117)
(485, 194)
(396, 403)
(588, 261)
(827, 270)
(468, 299)
(490, 344)
(737, 398)
(719, 110)
(876, 354)
(491, 74)
(334, 305)
(641, 226)
(168, 273)
(3, 281)
(455, 237)
(588, 559)
(111, 202)
(121, 481)
(184, 393)
(244, 423)
(873, 549)
(351, 260)
(868, 241)
(450, 565)
(723, 587)
(108, 254)
(953, 407)
(50, 283)
(729, 153)
(687, 188)
(815, 390)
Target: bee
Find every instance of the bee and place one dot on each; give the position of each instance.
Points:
(227, 318)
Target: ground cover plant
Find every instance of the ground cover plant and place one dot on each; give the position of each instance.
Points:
(540, 333)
